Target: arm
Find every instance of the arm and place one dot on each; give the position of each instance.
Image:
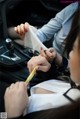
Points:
(48, 30)
(55, 24)
(52, 27)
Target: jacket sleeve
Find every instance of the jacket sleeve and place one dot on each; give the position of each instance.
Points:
(55, 24)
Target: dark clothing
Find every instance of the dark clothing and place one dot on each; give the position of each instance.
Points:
(66, 112)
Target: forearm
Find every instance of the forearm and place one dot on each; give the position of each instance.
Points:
(12, 34)
(48, 30)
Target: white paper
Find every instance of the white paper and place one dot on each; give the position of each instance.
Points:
(32, 41)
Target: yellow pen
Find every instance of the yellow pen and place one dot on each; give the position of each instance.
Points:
(31, 75)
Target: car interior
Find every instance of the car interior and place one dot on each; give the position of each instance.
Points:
(13, 13)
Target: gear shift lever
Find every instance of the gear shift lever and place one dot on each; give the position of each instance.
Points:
(10, 46)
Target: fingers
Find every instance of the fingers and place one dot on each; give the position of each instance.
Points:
(51, 50)
(31, 66)
(22, 29)
(44, 68)
(35, 61)
(17, 85)
(12, 86)
(26, 26)
(48, 54)
(22, 85)
(9, 88)
(42, 53)
(32, 63)
(39, 61)
(16, 99)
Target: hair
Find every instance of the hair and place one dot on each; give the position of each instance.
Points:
(79, 34)
(73, 34)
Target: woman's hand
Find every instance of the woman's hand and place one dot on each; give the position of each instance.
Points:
(39, 61)
(16, 99)
(22, 29)
(51, 54)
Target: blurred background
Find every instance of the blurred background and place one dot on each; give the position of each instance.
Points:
(36, 12)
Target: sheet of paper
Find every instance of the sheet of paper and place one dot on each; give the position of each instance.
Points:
(22, 42)
(32, 41)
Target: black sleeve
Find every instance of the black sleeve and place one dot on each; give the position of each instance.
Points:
(63, 65)
(54, 71)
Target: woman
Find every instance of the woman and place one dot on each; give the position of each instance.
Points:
(57, 28)
(49, 94)
(52, 54)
